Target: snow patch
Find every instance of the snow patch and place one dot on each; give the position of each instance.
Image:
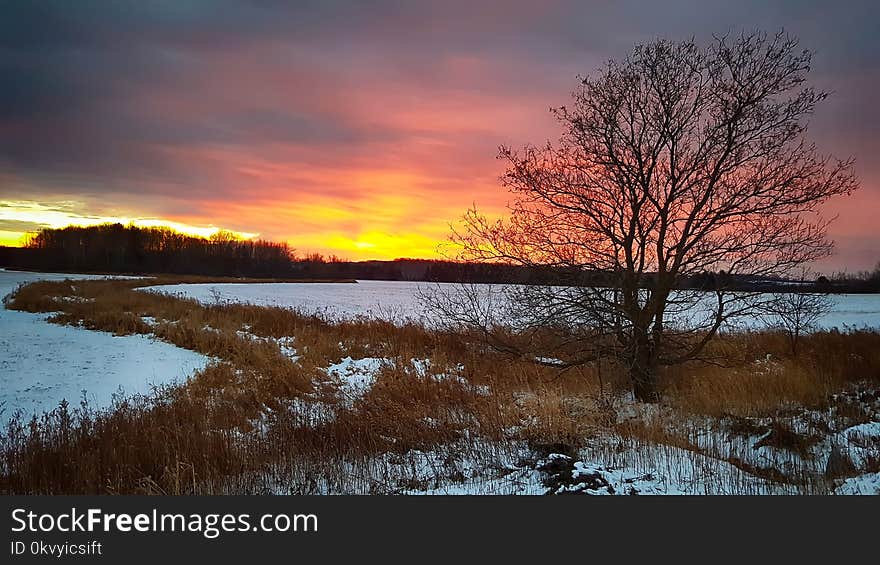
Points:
(42, 364)
(868, 483)
(355, 376)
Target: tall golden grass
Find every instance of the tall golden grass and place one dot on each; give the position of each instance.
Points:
(251, 421)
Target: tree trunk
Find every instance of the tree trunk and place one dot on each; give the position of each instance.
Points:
(644, 383)
(643, 371)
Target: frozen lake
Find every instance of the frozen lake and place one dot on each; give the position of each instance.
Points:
(386, 300)
(42, 364)
(398, 300)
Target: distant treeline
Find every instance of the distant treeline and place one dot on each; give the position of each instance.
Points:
(116, 248)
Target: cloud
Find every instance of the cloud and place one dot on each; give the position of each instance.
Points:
(196, 111)
(18, 226)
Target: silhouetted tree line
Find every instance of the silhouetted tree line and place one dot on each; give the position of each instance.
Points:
(317, 266)
(860, 282)
(130, 249)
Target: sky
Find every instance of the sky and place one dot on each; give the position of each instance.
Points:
(355, 128)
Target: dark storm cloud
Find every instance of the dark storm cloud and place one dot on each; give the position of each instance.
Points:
(74, 76)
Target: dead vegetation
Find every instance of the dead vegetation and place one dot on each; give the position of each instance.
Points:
(259, 420)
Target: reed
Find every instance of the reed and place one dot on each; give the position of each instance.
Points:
(256, 420)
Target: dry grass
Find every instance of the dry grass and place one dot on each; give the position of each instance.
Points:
(256, 420)
(770, 378)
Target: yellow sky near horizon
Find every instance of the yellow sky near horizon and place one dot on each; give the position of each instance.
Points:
(365, 243)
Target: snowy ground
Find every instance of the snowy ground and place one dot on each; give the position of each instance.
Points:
(790, 454)
(397, 301)
(387, 300)
(42, 363)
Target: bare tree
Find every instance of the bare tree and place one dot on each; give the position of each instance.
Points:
(797, 312)
(678, 161)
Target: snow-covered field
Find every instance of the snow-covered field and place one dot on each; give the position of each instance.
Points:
(42, 363)
(398, 300)
(387, 300)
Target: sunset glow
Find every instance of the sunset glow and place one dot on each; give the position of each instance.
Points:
(355, 132)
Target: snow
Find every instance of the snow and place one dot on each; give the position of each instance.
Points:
(446, 471)
(658, 470)
(859, 442)
(797, 444)
(397, 301)
(285, 344)
(549, 361)
(853, 311)
(868, 483)
(517, 482)
(355, 376)
(42, 364)
(350, 380)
